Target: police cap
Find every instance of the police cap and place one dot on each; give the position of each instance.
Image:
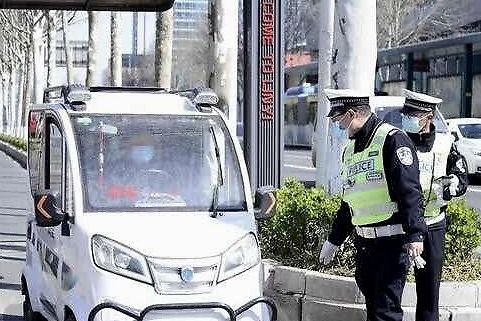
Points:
(343, 99)
(419, 102)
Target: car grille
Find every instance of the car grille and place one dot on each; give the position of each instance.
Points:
(184, 276)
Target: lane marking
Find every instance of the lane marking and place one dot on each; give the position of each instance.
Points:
(300, 167)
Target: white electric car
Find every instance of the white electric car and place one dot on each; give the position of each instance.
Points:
(143, 210)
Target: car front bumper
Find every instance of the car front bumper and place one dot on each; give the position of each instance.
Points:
(142, 315)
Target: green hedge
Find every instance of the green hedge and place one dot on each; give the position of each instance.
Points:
(15, 141)
(304, 216)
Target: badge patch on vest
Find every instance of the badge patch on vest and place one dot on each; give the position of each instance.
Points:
(405, 156)
(364, 166)
(373, 153)
(374, 176)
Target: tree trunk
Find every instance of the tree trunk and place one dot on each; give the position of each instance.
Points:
(93, 51)
(224, 26)
(354, 64)
(19, 99)
(52, 48)
(163, 48)
(116, 48)
(326, 38)
(2, 96)
(27, 90)
(12, 101)
(68, 52)
(38, 63)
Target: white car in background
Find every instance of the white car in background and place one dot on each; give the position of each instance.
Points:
(467, 137)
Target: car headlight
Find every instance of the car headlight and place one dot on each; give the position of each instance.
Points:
(117, 258)
(240, 257)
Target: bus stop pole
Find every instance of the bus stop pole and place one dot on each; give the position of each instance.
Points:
(263, 91)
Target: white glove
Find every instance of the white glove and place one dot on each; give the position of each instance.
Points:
(453, 184)
(327, 252)
(418, 262)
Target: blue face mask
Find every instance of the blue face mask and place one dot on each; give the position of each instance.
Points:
(142, 154)
(410, 124)
(338, 132)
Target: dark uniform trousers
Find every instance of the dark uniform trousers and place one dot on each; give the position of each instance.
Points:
(428, 278)
(381, 269)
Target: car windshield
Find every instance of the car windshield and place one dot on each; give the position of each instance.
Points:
(470, 130)
(392, 115)
(157, 163)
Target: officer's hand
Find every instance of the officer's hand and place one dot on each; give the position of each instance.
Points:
(327, 252)
(453, 184)
(414, 249)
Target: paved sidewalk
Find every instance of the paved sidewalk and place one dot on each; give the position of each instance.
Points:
(15, 203)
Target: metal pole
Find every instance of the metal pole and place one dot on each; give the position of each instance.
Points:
(467, 88)
(410, 71)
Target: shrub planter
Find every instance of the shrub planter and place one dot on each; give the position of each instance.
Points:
(304, 295)
(17, 154)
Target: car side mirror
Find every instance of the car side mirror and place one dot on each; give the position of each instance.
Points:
(455, 135)
(264, 202)
(46, 211)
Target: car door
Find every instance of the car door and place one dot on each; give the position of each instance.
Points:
(53, 182)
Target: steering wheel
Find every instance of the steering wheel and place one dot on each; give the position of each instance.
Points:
(159, 199)
(161, 174)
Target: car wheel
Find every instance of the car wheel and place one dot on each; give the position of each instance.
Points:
(70, 317)
(28, 313)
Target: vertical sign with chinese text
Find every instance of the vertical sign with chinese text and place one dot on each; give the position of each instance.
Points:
(263, 109)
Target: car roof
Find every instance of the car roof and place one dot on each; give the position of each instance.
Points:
(139, 103)
(125, 102)
(386, 101)
(456, 121)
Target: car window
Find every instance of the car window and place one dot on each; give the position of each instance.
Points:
(392, 115)
(156, 163)
(470, 130)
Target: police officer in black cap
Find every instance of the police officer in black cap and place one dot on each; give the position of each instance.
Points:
(382, 202)
(443, 175)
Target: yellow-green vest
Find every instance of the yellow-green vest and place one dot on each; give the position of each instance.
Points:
(364, 181)
(432, 165)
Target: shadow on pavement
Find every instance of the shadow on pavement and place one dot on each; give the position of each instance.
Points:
(8, 317)
(20, 248)
(10, 286)
(11, 258)
(12, 234)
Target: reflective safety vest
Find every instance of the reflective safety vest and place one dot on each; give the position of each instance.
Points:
(432, 165)
(364, 181)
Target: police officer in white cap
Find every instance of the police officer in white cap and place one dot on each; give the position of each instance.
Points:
(443, 175)
(382, 203)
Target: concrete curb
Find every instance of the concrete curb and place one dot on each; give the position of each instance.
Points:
(303, 295)
(18, 155)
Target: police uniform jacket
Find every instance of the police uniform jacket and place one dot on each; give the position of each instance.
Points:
(403, 184)
(456, 164)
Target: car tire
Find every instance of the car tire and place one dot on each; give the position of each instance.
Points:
(70, 317)
(28, 313)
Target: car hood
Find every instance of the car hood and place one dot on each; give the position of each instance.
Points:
(166, 235)
(470, 142)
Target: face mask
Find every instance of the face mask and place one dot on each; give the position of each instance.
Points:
(338, 131)
(410, 124)
(142, 154)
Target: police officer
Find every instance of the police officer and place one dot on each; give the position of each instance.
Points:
(382, 202)
(443, 175)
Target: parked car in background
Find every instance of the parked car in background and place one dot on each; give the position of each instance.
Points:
(467, 137)
(388, 108)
